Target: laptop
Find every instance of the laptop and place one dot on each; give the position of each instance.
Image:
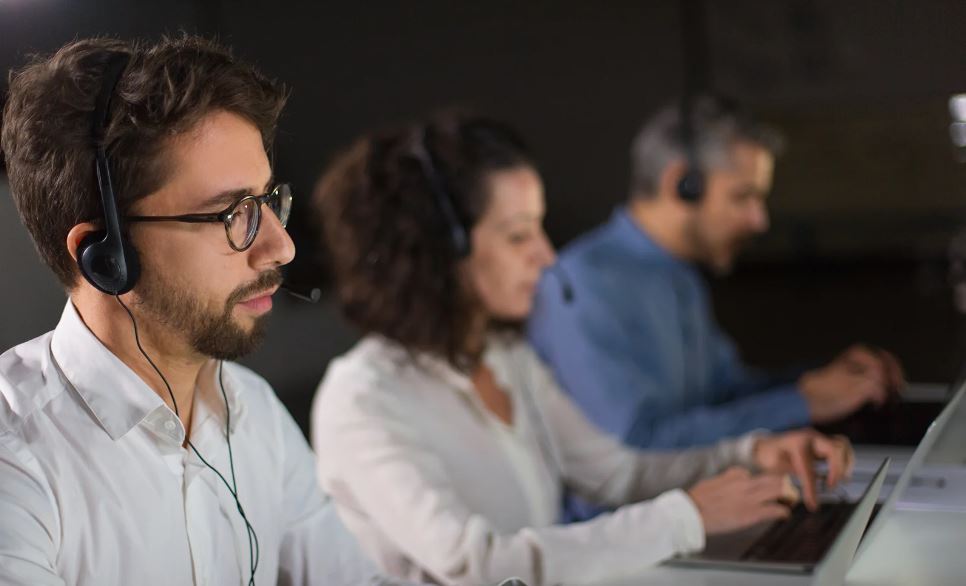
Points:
(805, 543)
(900, 422)
(913, 471)
(811, 542)
(926, 487)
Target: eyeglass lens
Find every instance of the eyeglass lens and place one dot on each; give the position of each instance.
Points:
(246, 217)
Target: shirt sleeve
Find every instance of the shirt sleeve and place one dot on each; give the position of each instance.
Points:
(383, 470)
(774, 409)
(600, 468)
(586, 344)
(316, 547)
(755, 400)
(28, 529)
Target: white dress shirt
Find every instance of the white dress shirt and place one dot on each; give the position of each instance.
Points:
(438, 488)
(96, 488)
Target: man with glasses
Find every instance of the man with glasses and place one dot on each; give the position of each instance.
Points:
(132, 451)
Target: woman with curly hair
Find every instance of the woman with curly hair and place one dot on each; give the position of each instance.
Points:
(445, 442)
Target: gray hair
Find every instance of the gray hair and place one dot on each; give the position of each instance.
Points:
(716, 125)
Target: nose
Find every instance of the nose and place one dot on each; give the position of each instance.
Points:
(273, 247)
(759, 220)
(545, 254)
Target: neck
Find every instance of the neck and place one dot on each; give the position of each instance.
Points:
(173, 356)
(665, 223)
(476, 343)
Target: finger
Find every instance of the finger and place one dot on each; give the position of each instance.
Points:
(867, 362)
(790, 495)
(803, 465)
(875, 369)
(873, 391)
(897, 378)
(847, 450)
(765, 487)
(736, 473)
(849, 455)
(834, 452)
(769, 512)
(778, 487)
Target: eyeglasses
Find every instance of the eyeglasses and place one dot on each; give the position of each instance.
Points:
(242, 218)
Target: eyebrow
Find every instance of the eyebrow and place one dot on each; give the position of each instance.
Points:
(226, 198)
(520, 218)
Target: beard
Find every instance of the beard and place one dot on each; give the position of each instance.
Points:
(718, 257)
(211, 330)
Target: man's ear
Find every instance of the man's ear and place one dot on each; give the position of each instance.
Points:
(77, 235)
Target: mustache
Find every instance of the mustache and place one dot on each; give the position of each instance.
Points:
(267, 280)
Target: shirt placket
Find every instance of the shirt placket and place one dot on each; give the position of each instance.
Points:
(517, 440)
(211, 508)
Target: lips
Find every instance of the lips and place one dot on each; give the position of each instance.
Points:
(259, 303)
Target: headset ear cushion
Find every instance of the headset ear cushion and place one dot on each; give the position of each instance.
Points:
(86, 258)
(98, 261)
(691, 186)
(133, 265)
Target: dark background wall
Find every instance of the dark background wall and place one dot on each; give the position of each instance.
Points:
(865, 201)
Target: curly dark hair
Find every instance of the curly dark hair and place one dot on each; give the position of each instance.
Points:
(167, 87)
(397, 270)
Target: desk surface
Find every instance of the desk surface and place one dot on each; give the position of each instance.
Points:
(915, 548)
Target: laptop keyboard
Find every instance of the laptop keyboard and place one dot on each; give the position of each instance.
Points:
(803, 537)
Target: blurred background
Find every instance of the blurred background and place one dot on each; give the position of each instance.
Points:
(867, 202)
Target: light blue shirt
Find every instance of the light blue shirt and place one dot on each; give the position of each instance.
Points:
(638, 348)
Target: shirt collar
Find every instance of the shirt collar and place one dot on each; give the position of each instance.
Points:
(494, 356)
(633, 237)
(438, 367)
(115, 394)
(213, 403)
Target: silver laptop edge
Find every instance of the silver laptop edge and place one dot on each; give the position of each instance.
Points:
(915, 462)
(837, 561)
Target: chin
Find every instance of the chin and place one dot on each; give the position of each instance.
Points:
(722, 265)
(513, 314)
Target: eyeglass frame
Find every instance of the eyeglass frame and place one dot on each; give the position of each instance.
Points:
(225, 215)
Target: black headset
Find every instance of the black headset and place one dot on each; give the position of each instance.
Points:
(106, 258)
(691, 184)
(456, 233)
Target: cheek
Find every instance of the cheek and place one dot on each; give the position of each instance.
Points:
(723, 222)
(497, 281)
(181, 261)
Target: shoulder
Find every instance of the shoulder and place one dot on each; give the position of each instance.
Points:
(376, 371)
(599, 243)
(516, 356)
(601, 262)
(372, 360)
(27, 383)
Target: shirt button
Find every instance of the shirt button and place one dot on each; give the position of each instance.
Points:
(170, 425)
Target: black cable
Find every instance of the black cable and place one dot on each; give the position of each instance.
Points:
(253, 548)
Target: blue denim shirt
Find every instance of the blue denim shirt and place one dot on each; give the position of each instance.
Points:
(638, 348)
